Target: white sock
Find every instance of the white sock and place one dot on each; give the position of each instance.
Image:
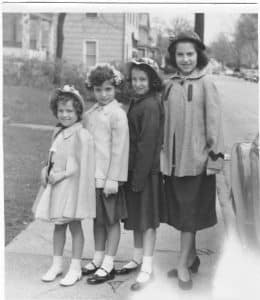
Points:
(108, 264)
(97, 260)
(137, 257)
(75, 264)
(57, 262)
(146, 269)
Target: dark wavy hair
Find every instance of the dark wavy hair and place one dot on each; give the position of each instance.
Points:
(99, 75)
(155, 82)
(202, 57)
(61, 97)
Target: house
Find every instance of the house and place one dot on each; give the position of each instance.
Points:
(90, 38)
(29, 35)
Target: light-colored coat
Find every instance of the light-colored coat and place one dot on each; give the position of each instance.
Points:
(109, 127)
(193, 115)
(74, 197)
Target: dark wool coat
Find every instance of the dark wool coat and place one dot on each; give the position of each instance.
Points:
(145, 120)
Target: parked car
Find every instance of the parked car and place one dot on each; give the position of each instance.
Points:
(251, 75)
(245, 183)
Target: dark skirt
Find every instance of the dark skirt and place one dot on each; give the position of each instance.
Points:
(190, 202)
(143, 208)
(111, 209)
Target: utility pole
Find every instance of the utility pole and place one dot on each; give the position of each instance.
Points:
(199, 25)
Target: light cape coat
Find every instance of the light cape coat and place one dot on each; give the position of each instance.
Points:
(193, 117)
(74, 197)
(109, 127)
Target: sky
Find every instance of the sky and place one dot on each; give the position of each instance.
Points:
(214, 22)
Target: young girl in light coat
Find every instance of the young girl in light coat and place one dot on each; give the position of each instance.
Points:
(67, 194)
(107, 122)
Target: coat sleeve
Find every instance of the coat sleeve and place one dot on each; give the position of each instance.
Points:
(118, 167)
(214, 129)
(146, 146)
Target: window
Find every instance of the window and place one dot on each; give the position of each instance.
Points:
(12, 30)
(90, 53)
(34, 32)
(45, 27)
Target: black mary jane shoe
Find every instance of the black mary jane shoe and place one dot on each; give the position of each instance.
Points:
(125, 271)
(185, 285)
(193, 268)
(137, 286)
(86, 271)
(195, 265)
(97, 279)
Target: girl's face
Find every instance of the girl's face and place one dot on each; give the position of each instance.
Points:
(186, 57)
(104, 93)
(140, 81)
(66, 113)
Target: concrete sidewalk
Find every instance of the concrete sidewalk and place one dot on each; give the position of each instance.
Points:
(28, 257)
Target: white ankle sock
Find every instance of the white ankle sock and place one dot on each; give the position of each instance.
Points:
(137, 257)
(146, 269)
(97, 260)
(57, 261)
(108, 264)
(75, 264)
(147, 265)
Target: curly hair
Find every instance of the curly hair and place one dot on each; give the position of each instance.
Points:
(101, 73)
(202, 57)
(63, 97)
(155, 82)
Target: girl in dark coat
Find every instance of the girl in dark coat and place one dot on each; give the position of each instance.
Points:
(145, 119)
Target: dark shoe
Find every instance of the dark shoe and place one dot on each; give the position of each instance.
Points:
(125, 271)
(137, 286)
(86, 271)
(193, 268)
(96, 279)
(185, 285)
(195, 265)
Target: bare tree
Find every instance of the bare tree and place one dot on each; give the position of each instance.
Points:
(177, 25)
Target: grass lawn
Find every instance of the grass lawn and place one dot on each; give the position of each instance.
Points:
(25, 150)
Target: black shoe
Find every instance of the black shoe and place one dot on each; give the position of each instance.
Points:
(96, 279)
(185, 285)
(193, 268)
(137, 286)
(195, 265)
(86, 271)
(125, 271)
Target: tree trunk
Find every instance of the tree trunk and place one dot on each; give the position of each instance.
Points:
(199, 25)
(60, 37)
(59, 48)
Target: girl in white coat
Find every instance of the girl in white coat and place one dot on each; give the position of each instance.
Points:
(67, 194)
(107, 122)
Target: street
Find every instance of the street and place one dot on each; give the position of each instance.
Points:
(29, 254)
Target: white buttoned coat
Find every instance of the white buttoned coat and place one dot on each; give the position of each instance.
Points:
(109, 127)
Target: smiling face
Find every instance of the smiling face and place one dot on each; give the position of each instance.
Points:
(66, 113)
(104, 93)
(140, 81)
(186, 57)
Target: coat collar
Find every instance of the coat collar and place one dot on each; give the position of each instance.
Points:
(106, 107)
(67, 132)
(196, 74)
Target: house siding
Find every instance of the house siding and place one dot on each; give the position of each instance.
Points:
(107, 29)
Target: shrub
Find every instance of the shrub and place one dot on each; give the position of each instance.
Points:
(48, 75)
